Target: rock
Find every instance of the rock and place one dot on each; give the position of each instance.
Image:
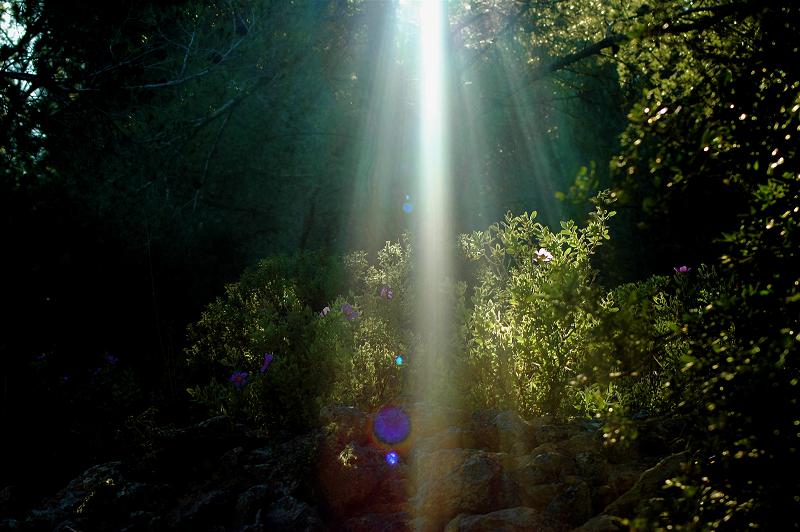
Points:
(91, 494)
(201, 509)
(602, 523)
(648, 485)
(518, 519)
(427, 419)
(251, 502)
(602, 496)
(543, 468)
(514, 434)
(346, 423)
(573, 505)
(582, 442)
(288, 514)
(553, 433)
(461, 481)
(622, 477)
(354, 477)
(393, 522)
(537, 496)
(593, 467)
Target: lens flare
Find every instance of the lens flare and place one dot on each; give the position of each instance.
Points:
(392, 425)
(392, 458)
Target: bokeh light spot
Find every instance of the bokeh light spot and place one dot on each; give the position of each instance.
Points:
(391, 425)
(392, 458)
(399, 360)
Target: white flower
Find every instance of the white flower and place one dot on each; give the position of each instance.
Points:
(543, 255)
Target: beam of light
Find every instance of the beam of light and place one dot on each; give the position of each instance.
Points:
(433, 379)
(433, 235)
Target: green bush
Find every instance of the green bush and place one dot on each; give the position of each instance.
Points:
(267, 311)
(535, 305)
(341, 352)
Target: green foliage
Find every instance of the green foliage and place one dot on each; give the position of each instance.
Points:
(534, 307)
(319, 357)
(267, 311)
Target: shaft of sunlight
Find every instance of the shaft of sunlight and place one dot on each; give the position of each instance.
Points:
(434, 224)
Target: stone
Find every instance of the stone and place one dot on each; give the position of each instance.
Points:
(573, 505)
(391, 522)
(346, 423)
(461, 481)
(353, 476)
(518, 519)
(602, 523)
(537, 496)
(592, 467)
(290, 514)
(648, 485)
(542, 468)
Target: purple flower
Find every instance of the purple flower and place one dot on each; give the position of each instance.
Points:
(349, 312)
(64, 379)
(239, 379)
(267, 359)
(682, 269)
(387, 292)
(111, 360)
(325, 312)
(543, 255)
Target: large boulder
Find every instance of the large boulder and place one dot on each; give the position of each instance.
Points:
(518, 519)
(648, 485)
(354, 478)
(454, 481)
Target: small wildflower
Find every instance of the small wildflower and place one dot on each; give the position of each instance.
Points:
(239, 379)
(349, 312)
(543, 255)
(682, 269)
(112, 360)
(64, 379)
(324, 312)
(392, 458)
(399, 360)
(267, 359)
(387, 292)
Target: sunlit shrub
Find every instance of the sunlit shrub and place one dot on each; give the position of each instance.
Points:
(263, 353)
(535, 305)
(266, 314)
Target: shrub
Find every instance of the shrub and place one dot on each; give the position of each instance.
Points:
(266, 312)
(535, 305)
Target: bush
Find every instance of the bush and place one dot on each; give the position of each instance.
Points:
(535, 306)
(267, 312)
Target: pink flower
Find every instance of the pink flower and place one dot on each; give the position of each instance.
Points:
(543, 255)
(682, 269)
(267, 359)
(387, 292)
(239, 379)
(349, 312)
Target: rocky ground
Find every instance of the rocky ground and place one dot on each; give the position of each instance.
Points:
(483, 471)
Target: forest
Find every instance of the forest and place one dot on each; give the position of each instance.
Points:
(400, 265)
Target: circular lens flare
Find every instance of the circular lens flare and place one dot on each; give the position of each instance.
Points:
(392, 458)
(391, 425)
